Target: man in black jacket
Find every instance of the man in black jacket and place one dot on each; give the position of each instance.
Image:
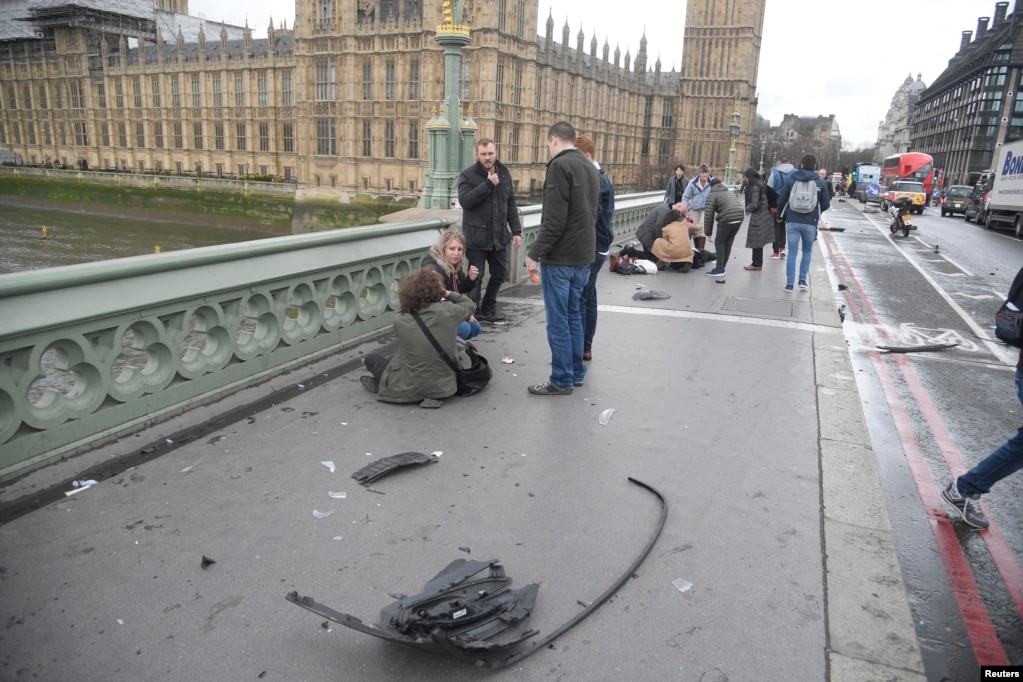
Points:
(490, 219)
(565, 245)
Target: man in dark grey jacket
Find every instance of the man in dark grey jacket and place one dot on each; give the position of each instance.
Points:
(490, 219)
(565, 245)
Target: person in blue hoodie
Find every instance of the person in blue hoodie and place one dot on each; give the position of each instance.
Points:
(605, 235)
(801, 223)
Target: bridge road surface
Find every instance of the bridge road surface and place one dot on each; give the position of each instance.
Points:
(737, 401)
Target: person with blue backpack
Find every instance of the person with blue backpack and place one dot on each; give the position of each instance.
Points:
(776, 181)
(801, 201)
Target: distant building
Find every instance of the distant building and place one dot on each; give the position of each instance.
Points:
(341, 102)
(895, 131)
(976, 104)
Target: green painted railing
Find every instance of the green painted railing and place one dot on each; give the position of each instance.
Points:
(92, 352)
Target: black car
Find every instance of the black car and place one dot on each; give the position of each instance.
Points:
(975, 205)
(956, 198)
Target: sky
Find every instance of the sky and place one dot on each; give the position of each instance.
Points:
(858, 71)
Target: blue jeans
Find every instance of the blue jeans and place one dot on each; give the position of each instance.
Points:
(562, 300)
(1007, 459)
(589, 303)
(468, 330)
(799, 233)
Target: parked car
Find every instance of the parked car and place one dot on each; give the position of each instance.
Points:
(975, 204)
(905, 188)
(956, 198)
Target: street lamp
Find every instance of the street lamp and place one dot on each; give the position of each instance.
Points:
(763, 150)
(733, 132)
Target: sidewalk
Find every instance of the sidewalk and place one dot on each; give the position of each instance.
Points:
(736, 401)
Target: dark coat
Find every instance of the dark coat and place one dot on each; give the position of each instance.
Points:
(650, 229)
(417, 370)
(489, 214)
(571, 192)
(724, 206)
(761, 219)
(605, 211)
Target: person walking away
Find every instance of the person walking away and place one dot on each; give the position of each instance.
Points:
(417, 373)
(565, 245)
(605, 235)
(674, 246)
(676, 186)
(779, 174)
(695, 198)
(801, 202)
(724, 206)
(761, 207)
(447, 258)
(964, 492)
(822, 173)
(490, 219)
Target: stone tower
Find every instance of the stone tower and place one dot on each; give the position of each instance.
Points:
(720, 59)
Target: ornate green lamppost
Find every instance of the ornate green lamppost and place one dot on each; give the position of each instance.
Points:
(733, 132)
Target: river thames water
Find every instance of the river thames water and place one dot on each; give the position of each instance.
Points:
(83, 238)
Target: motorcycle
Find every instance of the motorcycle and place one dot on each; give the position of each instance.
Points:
(899, 216)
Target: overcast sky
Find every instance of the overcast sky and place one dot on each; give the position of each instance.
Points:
(863, 50)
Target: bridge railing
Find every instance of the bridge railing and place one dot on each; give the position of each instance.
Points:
(92, 352)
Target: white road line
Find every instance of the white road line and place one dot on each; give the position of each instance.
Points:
(689, 314)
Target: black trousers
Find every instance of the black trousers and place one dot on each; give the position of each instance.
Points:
(376, 364)
(779, 236)
(497, 259)
(726, 235)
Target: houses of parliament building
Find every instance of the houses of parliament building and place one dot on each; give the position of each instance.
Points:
(341, 102)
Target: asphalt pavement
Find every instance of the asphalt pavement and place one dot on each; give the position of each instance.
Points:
(735, 400)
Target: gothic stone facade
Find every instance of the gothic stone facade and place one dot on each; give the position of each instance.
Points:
(340, 102)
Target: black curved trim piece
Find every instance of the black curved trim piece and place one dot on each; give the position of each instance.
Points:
(511, 660)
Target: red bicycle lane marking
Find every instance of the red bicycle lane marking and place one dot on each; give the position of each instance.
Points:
(998, 547)
(976, 618)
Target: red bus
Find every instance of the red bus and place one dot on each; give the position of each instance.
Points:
(909, 166)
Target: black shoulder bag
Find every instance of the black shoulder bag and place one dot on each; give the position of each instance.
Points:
(471, 380)
(1009, 318)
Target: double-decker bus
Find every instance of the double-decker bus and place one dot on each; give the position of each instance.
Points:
(909, 166)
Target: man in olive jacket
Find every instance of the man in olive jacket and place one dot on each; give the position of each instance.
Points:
(490, 219)
(565, 244)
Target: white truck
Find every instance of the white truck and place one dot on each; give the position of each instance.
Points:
(1004, 203)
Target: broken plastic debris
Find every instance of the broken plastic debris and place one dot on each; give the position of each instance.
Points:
(337, 537)
(650, 294)
(186, 469)
(329, 465)
(169, 441)
(682, 585)
(375, 470)
(507, 359)
(322, 515)
(605, 416)
(206, 562)
(84, 483)
(437, 453)
(120, 622)
(301, 385)
(338, 496)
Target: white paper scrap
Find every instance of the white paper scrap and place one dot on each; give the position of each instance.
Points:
(329, 465)
(338, 496)
(322, 515)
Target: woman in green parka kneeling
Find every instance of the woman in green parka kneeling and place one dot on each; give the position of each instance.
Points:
(417, 373)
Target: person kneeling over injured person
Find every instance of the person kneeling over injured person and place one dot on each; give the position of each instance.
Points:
(417, 372)
(675, 246)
